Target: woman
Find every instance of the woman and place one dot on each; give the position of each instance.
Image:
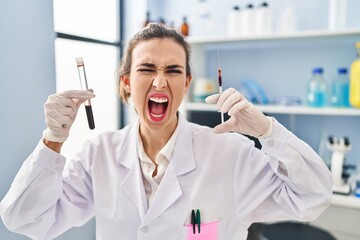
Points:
(144, 181)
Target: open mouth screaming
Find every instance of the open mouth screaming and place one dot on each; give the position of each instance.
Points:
(157, 106)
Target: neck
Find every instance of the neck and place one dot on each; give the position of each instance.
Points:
(155, 140)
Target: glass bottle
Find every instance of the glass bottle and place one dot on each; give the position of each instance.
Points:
(185, 27)
(317, 89)
(340, 89)
(355, 80)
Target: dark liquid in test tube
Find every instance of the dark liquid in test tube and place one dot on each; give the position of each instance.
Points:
(90, 117)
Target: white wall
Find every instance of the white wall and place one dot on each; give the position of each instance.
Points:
(27, 77)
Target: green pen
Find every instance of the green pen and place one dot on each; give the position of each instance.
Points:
(198, 219)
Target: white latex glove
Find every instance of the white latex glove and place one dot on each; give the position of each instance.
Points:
(244, 117)
(60, 112)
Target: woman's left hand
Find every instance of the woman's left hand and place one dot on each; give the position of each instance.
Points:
(244, 117)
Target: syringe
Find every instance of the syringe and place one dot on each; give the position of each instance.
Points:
(220, 83)
(84, 86)
(220, 90)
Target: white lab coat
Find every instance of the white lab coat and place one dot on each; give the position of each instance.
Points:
(221, 173)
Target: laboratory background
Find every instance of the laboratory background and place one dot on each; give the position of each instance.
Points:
(296, 59)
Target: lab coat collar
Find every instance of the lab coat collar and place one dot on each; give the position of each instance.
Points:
(169, 189)
(132, 184)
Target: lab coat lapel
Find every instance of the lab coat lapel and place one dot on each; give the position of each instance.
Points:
(181, 163)
(133, 185)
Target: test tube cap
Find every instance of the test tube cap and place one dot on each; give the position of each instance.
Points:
(79, 61)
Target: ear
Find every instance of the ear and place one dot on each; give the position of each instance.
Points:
(126, 82)
(187, 82)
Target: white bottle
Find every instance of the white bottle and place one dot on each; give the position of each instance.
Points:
(247, 21)
(263, 20)
(337, 14)
(286, 22)
(234, 22)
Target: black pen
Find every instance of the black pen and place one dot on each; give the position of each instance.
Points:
(193, 220)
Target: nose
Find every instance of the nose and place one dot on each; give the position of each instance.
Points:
(159, 81)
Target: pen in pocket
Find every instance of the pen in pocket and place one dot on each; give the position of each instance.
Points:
(196, 220)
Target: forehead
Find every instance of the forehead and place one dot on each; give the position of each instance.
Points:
(159, 51)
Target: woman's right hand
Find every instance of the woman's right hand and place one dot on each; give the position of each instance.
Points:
(60, 112)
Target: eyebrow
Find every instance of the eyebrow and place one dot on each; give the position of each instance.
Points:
(151, 65)
(174, 66)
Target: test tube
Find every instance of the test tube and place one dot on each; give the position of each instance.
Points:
(84, 86)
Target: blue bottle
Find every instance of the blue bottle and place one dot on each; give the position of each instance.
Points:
(317, 89)
(340, 89)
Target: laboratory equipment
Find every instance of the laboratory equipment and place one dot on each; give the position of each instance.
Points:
(286, 230)
(84, 86)
(234, 19)
(185, 27)
(254, 92)
(220, 84)
(339, 148)
(317, 89)
(357, 189)
(287, 101)
(203, 88)
(220, 90)
(263, 20)
(340, 89)
(337, 14)
(286, 22)
(355, 80)
(247, 22)
(206, 21)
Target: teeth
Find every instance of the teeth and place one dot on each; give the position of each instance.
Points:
(159, 100)
(157, 116)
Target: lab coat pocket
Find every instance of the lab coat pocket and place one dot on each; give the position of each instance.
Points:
(208, 231)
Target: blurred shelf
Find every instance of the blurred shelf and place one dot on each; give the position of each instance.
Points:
(320, 34)
(345, 201)
(201, 47)
(300, 110)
